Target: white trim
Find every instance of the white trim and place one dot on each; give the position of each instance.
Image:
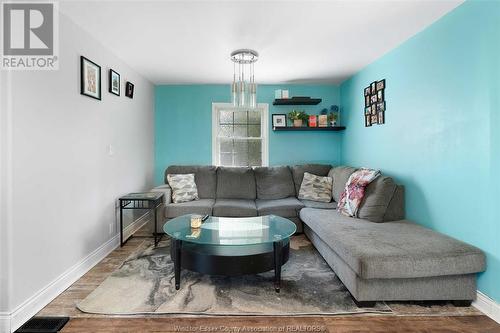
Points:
(264, 130)
(6, 179)
(43, 297)
(4, 322)
(487, 306)
(265, 133)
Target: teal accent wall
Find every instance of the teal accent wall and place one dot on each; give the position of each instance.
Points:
(442, 133)
(183, 126)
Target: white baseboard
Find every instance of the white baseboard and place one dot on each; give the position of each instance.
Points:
(11, 322)
(4, 322)
(487, 306)
(38, 301)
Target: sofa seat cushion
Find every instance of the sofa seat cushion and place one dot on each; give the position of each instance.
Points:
(236, 183)
(274, 182)
(202, 207)
(287, 207)
(234, 208)
(399, 249)
(319, 205)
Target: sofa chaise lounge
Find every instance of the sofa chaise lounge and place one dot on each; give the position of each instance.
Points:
(379, 255)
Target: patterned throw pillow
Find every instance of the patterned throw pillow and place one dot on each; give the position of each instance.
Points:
(316, 188)
(354, 191)
(183, 187)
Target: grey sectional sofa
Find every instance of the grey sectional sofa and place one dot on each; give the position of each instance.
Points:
(379, 256)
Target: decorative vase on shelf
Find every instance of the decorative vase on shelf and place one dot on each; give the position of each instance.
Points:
(297, 123)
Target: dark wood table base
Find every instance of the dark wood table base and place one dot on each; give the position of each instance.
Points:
(230, 260)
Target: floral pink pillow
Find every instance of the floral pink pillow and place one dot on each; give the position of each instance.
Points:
(354, 191)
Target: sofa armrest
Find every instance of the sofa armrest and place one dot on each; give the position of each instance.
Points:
(167, 191)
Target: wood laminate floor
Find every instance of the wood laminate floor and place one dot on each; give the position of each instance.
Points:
(406, 318)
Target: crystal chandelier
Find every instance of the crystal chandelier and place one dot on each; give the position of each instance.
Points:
(243, 93)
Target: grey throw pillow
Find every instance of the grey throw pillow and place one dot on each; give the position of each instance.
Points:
(316, 188)
(183, 187)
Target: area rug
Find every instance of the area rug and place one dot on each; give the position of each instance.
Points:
(144, 284)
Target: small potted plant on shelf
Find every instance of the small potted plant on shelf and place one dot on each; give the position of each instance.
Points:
(297, 117)
(332, 119)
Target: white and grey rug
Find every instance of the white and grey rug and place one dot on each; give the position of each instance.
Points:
(144, 284)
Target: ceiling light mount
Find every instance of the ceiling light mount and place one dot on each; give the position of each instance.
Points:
(244, 56)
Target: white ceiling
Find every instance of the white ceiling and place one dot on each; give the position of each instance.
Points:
(299, 41)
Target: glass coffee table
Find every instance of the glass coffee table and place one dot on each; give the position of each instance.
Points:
(230, 246)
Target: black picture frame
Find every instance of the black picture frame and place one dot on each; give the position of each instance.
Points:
(277, 123)
(129, 89)
(375, 106)
(380, 85)
(381, 117)
(381, 106)
(84, 84)
(368, 120)
(380, 95)
(110, 79)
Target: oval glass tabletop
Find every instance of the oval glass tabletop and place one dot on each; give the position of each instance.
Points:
(231, 230)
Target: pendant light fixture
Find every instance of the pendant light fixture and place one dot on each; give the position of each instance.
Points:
(243, 92)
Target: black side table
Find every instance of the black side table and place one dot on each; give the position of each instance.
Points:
(146, 200)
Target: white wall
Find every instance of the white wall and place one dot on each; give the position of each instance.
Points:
(64, 182)
(5, 239)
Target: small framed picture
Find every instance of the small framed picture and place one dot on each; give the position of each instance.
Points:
(367, 91)
(373, 99)
(373, 87)
(368, 120)
(373, 109)
(381, 117)
(381, 106)
(374, 119)
(367, 100)
(381, 85)
(129, 90)
(279, 120)
(368, 110)
(380, 95)
(114, 82)
(90, 78)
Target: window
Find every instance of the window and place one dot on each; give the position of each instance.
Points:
(239, 136)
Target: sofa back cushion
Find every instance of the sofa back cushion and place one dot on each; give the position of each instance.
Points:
(274, 182)
(396, 209)
(315, 169)
(378, 195)
(205, 177)
(236, 183)
(340, 176)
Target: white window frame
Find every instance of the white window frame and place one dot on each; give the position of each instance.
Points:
(264, 130)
